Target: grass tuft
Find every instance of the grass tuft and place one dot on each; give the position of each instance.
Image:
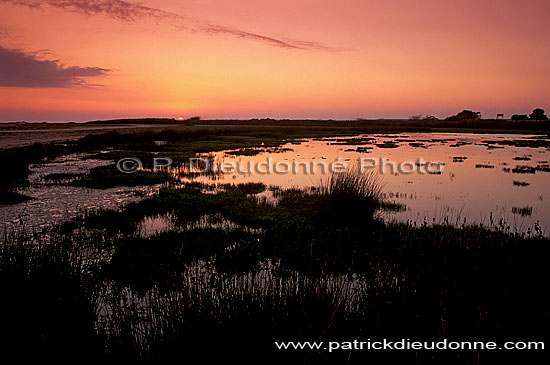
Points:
(351, 195)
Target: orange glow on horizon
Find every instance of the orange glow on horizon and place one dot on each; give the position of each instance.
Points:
(282, 59)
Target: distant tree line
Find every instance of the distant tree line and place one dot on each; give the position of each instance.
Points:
(538, 114)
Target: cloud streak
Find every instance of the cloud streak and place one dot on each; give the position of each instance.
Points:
(122, 10)
(3, 33)
(18, 69)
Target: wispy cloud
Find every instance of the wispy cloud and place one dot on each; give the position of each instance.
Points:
(3, 33)
(127, 11)
(19, 69)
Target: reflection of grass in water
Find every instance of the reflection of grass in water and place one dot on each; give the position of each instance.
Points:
(360, 149)
(183, 144)
(524, 212)
(459, 159)
(417, 144)
(184, 141)
(257, 151)
(336, 272)
(531, 169)
(245, 152)
(524, 170)
(520, 183)
(352, 141)
(387, 144)
(169, 295)
(484, 166)
(460, 144)
(533, 143)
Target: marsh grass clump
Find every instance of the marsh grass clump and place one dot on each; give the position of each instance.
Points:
(17, 160)
(245, 152)
(351, 195)
(47, 288)
(248, 188)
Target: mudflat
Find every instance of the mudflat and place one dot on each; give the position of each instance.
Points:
(17, 135)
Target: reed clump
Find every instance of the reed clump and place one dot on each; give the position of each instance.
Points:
(351, 195)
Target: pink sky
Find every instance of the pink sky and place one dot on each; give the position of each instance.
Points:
(81, 60)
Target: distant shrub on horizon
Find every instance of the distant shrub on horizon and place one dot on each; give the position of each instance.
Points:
(465, 115)
(520, 117)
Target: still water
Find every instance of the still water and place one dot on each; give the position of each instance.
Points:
(53, 204)
(475, 178)
(482, 178)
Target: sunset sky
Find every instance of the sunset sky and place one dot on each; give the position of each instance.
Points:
(76, 60)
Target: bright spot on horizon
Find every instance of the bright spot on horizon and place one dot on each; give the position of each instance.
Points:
(180, 119)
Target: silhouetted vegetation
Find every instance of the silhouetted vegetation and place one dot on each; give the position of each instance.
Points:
(234, 272)
(538, 114)
(47, 302)
(16, 161)
(520, 117)
(351, 196)
(430, 117)
(136, 121)
(465, 115)
(204, 291)
(193, 119)
(183, 142)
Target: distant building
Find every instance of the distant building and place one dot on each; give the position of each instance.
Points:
(500, 116)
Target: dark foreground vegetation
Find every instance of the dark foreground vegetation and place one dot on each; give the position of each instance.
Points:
(231, 273)
(15, 163)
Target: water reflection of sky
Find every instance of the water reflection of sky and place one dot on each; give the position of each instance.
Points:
(53, 204)
(482, 182)
(477, 180)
